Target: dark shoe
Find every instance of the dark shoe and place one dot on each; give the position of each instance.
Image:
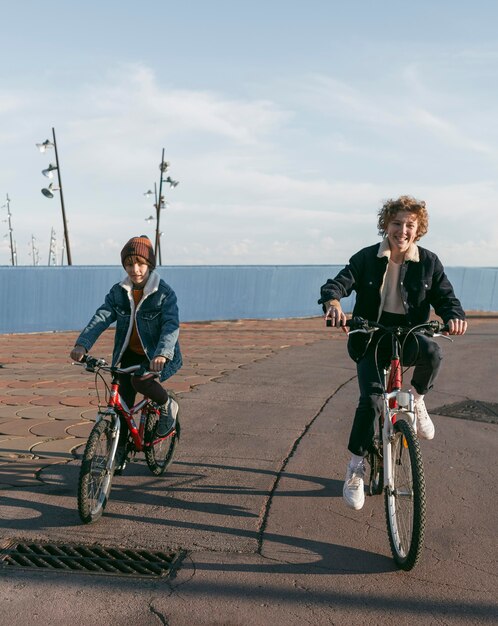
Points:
(120, 460)
(167, 418)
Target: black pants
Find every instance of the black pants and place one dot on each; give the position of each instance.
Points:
(418, 350)
(130, 385)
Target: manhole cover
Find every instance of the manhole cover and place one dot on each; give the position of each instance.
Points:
(89, 559)
(470, 410)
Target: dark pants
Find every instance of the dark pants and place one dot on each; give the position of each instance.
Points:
(130, 385)
(419, 351)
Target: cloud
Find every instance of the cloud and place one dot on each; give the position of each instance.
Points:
(450, 134)
(132, 101)
(287, 178)
(333, 97)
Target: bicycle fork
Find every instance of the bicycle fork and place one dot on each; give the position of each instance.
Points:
(387, 433)
(396, 403)
(115, 422)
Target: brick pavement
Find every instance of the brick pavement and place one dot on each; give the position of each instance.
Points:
(47, 405)
(254, 499)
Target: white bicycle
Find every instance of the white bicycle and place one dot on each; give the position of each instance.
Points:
(396, 466)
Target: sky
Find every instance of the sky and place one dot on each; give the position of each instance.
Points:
(287, 125)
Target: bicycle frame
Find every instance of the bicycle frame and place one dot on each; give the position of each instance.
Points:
(394, 401)
(98, 462)
(117, 406)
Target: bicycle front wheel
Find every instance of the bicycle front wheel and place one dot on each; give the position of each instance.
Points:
(159, 451)
(405, 501)
(95, 480)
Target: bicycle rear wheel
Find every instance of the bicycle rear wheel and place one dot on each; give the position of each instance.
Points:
(159, 451)
(405, 502)
(95, 480)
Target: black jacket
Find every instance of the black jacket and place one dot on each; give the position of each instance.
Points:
(423, 284)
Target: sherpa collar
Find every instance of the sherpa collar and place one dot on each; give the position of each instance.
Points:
(411, 254)
(150, 286)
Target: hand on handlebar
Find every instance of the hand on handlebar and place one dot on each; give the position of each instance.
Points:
(335, 316)
(157, 363)
(77, 353)
(456, 327)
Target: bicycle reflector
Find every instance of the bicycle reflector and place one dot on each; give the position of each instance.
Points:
(403, 399)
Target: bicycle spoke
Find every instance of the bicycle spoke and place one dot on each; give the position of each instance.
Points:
(405, 501)
(95, 480)
(159, 451)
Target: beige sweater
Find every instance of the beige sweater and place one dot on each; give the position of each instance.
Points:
(390, 294)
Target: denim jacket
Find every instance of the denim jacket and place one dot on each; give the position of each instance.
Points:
(422, 284)
(156, 317)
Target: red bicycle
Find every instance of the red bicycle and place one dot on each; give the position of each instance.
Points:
(98, 465)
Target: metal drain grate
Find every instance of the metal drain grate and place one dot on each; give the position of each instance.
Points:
(90, 559)
(470, 410)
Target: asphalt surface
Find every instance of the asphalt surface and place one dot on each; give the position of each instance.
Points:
(253, 504)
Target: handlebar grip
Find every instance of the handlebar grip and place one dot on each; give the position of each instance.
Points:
(330, 325)
(354, 323)
(438, 327)
(357, 323)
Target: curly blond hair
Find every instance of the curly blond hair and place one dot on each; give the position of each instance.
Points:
(404, 203)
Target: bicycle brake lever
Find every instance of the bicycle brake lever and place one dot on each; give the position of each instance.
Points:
(91, 363)
(443, 337)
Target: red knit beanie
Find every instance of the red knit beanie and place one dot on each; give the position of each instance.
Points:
(139, 246)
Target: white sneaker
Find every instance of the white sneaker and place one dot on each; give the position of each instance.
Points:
(425, 427)
(354, 490)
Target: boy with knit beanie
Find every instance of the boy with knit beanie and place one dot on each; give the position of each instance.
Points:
(147, 326)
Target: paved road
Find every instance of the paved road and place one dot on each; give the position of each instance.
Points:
(253, 501)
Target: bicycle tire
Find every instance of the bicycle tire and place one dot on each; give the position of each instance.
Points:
(405, 504)
(95, 482)
(159, 452)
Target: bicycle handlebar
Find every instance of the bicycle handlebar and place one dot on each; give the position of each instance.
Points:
(92, 364)
(432, 328)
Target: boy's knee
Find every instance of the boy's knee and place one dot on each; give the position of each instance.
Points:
(435, 353)
(138, 382)
(371, 402)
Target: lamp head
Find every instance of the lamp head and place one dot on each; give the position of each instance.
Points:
(49, 191)
(49, 172)
(172, 183)
(42, 147)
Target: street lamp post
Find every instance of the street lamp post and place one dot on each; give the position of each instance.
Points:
(52, 258)
(160, 203)
(163, 166)
(34, 250)
(8, 220)
(48, 192)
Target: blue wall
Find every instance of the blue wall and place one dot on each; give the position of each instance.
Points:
(37, 299)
